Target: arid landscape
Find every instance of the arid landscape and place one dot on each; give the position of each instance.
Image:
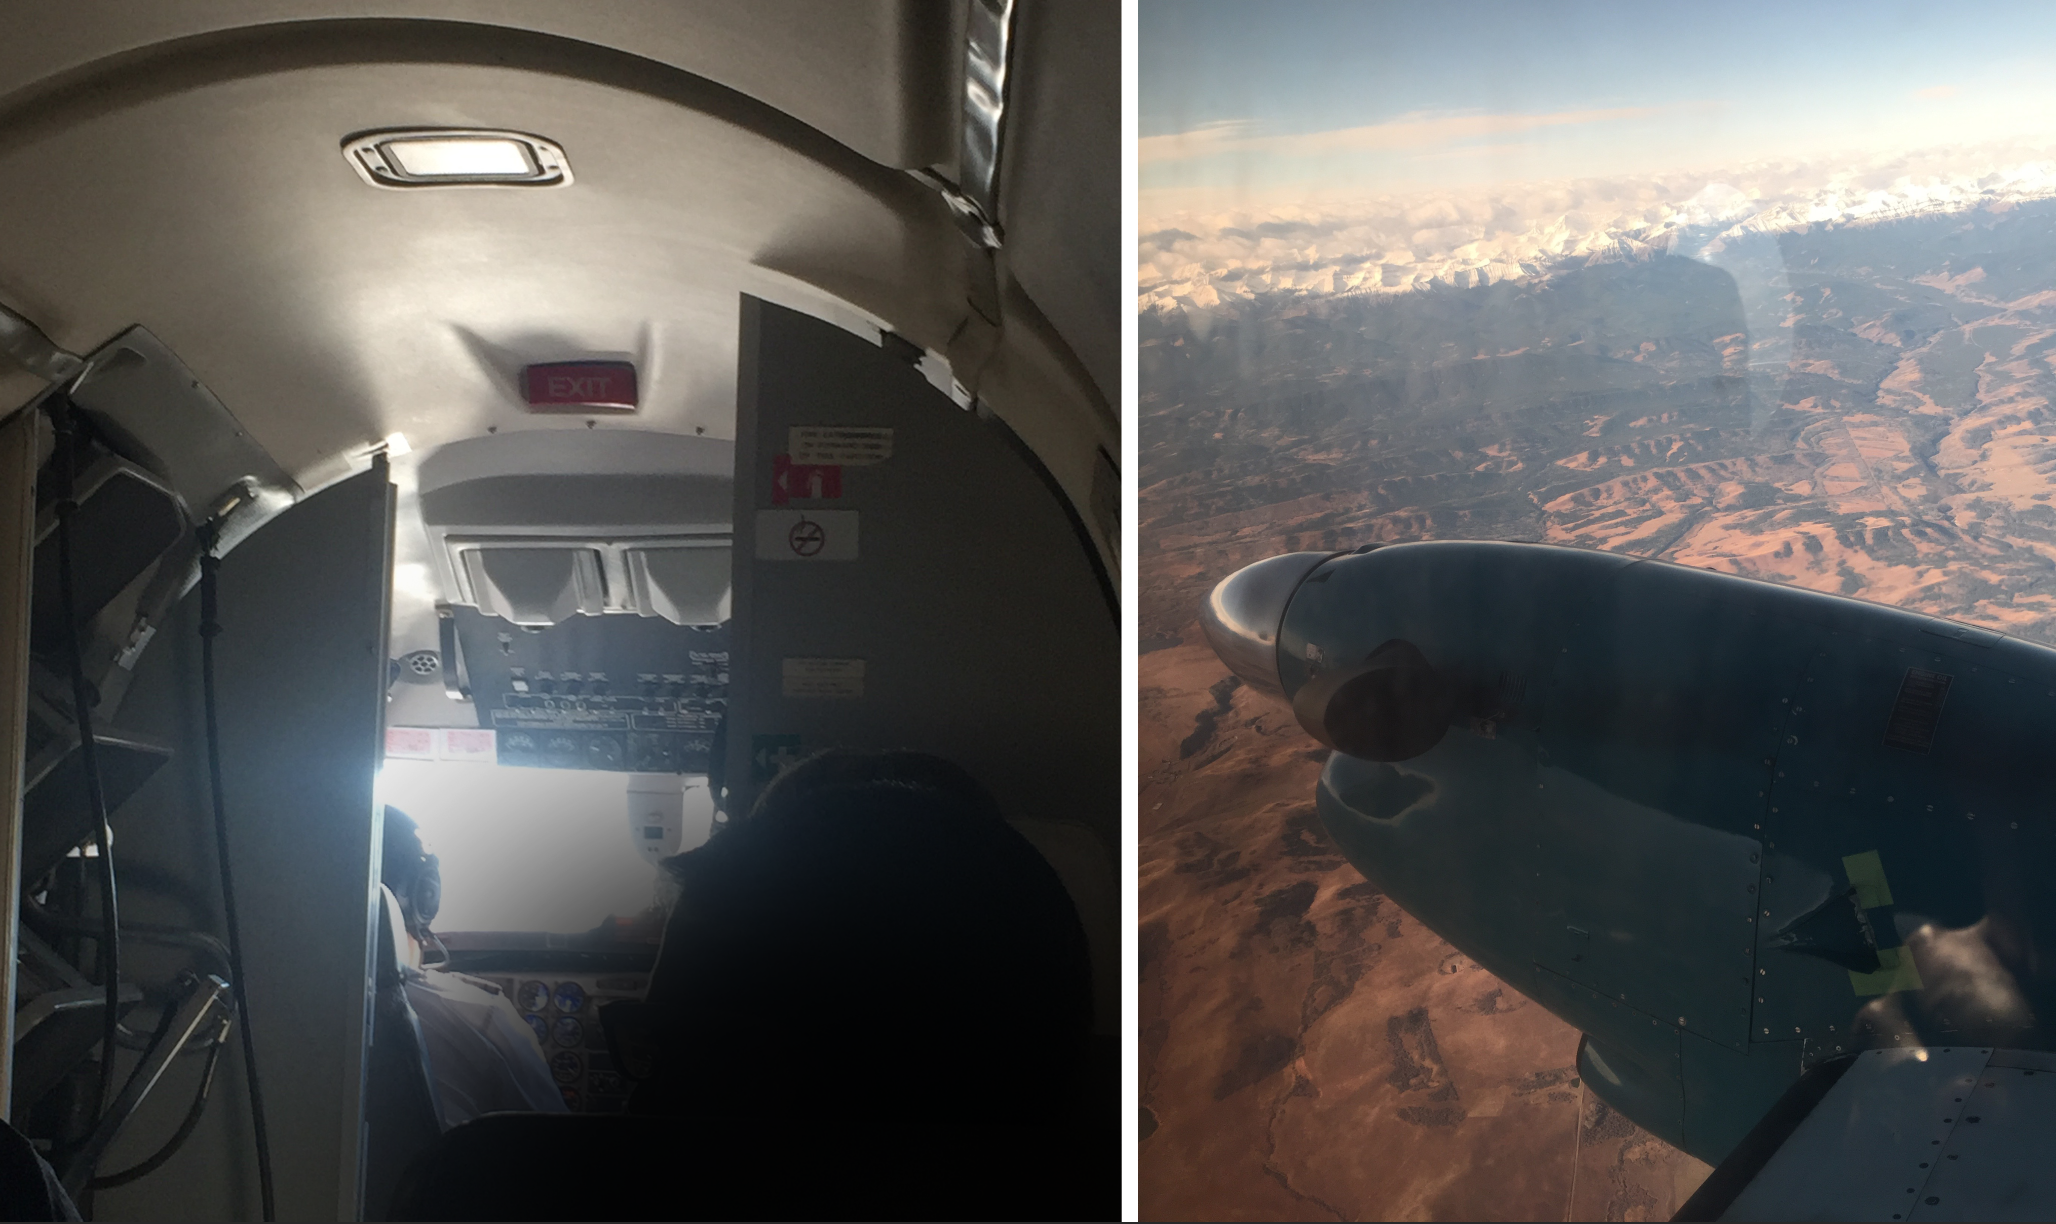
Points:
(1310, 1051)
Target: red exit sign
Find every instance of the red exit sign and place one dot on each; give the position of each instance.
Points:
(587, 385)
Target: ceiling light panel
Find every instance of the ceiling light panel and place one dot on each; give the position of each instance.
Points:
(468, 157)
(455, 157)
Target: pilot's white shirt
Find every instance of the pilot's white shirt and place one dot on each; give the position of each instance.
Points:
(482, 1056)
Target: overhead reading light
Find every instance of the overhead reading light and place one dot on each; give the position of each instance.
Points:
(452, 157)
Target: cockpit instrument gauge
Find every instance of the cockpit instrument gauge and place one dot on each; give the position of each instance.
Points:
(566, 1066)
(533, 996)
(570, 998)
(568, 1032)
(541, 1027)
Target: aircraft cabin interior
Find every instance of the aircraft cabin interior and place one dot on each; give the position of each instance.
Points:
(460, 459)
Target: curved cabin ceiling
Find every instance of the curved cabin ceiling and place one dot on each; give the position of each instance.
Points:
(180, 166)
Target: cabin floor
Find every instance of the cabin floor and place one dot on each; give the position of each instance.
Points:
(1309, 1051)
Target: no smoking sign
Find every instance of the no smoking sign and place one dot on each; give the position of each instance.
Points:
(806, 535)
(806, 538)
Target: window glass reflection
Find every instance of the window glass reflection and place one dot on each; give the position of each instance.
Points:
(1765, 292)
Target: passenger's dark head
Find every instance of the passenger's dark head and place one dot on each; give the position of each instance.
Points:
(406, 867)
(875, 928)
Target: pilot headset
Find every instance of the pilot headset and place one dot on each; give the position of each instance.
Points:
(425, 898)
(414, 875)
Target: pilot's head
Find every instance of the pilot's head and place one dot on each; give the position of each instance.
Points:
(414, 875)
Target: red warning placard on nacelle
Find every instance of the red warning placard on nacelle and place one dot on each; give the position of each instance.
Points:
(607, 386)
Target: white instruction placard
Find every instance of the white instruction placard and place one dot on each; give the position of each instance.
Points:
(465, 744)
(849, 445)
(806, 535)
(410, 743)
(824, 677)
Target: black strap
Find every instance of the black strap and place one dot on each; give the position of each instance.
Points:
(210, 628)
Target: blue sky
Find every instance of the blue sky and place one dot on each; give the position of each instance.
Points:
(1259, 98)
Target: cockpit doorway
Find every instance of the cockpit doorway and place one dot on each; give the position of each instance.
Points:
(890, 571)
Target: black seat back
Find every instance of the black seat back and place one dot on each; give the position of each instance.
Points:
(874, 918)
(515, 1166)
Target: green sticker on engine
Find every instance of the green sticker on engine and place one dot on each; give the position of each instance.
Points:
(1867, 874)
(1896, 972)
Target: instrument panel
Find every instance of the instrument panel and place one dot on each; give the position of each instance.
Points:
(631, 694)
(563, 1010)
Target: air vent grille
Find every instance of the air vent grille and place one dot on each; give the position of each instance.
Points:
(1918, 711)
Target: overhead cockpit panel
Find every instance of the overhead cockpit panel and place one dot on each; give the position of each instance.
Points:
(536, 527)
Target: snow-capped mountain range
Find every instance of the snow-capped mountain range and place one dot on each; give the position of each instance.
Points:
(1208, 264)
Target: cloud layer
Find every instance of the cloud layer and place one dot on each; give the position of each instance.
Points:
(1415, 131)
(1209, 263)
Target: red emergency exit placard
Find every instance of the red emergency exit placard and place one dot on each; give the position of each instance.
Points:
(602, 386)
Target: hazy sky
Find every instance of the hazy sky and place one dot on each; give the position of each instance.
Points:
(1247, 99)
